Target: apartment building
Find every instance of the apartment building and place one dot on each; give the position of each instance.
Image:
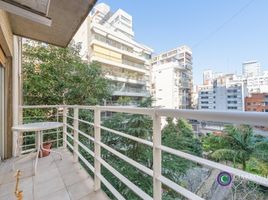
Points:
(172, 78)
(108, 38)
(225, 93)
(258, 84)
(251, 68)
(209, 76)
(257, 102)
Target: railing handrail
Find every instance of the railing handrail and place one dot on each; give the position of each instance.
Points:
(236, 117)
(251, 118)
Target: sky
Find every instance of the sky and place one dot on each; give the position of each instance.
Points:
(221, 33)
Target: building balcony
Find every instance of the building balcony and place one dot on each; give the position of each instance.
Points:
(131, 92)
(83, 153)
(124, 52)
(118, 64)
(125, 79)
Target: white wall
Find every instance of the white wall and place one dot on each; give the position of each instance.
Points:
(166, 92)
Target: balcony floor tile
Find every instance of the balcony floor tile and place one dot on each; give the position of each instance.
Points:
(56, 179)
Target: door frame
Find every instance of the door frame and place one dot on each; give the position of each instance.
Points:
(2, 104)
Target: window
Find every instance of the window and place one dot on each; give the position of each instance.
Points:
(234, 102)
(232, 108)
(125, 19)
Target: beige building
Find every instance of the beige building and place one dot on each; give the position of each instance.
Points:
(108, 38)
(54, 23)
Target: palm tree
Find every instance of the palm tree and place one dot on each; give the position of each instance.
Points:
(238, 145)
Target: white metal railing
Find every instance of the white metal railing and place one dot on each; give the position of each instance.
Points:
(259, 119)
(55, 115)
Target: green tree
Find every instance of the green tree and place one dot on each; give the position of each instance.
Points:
(53, 75)
(237, 144)
(179, 135)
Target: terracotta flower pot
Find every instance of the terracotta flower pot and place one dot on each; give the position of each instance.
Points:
(45, 153)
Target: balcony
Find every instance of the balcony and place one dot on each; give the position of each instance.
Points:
(81, 142)
(55, 179)
(128, 91)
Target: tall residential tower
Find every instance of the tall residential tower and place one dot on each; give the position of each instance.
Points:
(108, 38)
(172, 78)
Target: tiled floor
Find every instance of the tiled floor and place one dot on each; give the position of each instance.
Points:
(56, 179)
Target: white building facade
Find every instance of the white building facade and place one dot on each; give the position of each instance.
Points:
(108, 38)
(172, 78)
(225, 93)
(251, 68)
(258, 84)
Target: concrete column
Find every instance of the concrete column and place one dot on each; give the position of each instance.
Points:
(16, 69)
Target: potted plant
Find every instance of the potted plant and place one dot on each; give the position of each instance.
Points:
(46, 145)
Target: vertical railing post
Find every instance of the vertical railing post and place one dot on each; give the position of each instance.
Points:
(57, 117)
(64, 129)
(157, 157)
(76, 127)
(97, 148)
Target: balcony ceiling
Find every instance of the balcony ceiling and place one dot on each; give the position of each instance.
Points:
(66, 17)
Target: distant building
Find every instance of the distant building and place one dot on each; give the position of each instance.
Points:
(195, 97)
(225, 93)
(172, 78)
(257, 102)
(258, 84)
(108, 38)
(209, 76)
(251, 68)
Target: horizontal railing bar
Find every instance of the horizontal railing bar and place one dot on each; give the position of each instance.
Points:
(81, 144)
(85, 148)
(122, 109)
(184, 192)
(80, 120)
(28, 150)
(52, 140)
(86, 122)
(85, 161)
(126, 181)
(252, 177)
(128, 136)
(36, 117)
(40, 106)
(238, 117)
(81, 132)
(86, 135)
(68, 116)
(127, 159)
(80, 107)
(44, 133)
(27, 145)
(69, 145)
(110, 187)
(69, 135)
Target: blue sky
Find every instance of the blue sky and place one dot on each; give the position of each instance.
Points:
(166, 24)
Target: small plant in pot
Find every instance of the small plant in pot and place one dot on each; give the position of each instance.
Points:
(46, 145)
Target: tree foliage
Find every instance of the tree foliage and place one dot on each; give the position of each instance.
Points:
(54, 75)
(179, 135)
(238, 145)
